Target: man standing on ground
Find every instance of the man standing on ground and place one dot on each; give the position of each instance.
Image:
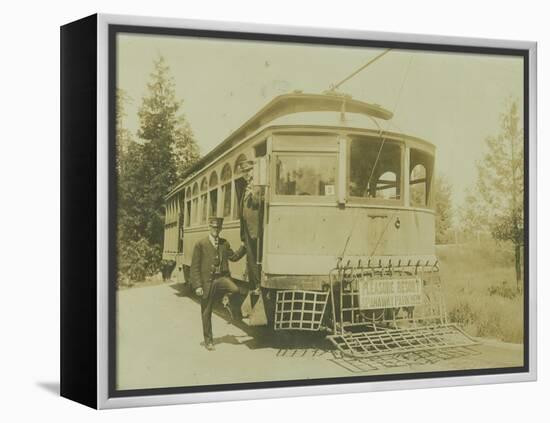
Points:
(210, 275)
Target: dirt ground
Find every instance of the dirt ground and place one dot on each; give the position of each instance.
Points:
(160, 345)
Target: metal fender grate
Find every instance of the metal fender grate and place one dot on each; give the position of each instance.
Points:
(302, 310)
(404, 340)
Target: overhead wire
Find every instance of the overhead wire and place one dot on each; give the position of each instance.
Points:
(382, 135)
(370, 62)
(394, 110)
(397, 101)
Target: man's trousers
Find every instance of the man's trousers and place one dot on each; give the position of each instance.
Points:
(221, 285)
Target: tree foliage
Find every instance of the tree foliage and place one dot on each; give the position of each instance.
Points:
(147, 170)
(497, 205)
(123, 136)
(444, 210)
(474, 214)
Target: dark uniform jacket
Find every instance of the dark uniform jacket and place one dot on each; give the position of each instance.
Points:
(251, 214)
(209, 263)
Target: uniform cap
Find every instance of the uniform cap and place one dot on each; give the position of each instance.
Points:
(216, 222)
(246, 165)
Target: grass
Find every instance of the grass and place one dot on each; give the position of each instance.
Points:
(479, 285)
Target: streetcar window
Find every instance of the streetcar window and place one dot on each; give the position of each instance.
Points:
(181, 203)
(194, 209)
(386, 186)
(214, 202)
(188, 213)
(204, 201)
(305, 175)
(421, 165)
(239, 160)
(226, 190)
(260, 150)
(213, 197)
(374, 169)
(240, 187)
(195, 204)
(204, 207)
(213, 180)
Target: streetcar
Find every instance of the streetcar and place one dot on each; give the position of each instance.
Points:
(348, 236)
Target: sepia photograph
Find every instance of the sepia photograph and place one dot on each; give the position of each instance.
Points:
(292, 210)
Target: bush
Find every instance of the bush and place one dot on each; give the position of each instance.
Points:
(482, 315)
(137, 260)
(503, 290)
(463, 314)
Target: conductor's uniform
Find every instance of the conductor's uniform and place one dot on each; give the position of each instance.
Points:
(210, 271)
(251, 230)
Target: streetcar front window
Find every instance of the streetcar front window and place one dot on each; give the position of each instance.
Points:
(305, 175)
(421, 165)
(375, 170)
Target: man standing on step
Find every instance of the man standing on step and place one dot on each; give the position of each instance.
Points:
(251, 224)
(210, 275)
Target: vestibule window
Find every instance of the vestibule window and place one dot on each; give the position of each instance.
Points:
(375, 169)
(306, 175)
(421, 165)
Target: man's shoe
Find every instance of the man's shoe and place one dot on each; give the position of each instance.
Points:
(210, 347)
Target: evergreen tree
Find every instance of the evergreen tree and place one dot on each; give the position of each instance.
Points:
(151, 168)
(168, 148)
(123, 135)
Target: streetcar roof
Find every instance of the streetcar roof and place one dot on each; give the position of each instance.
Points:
(287, 104)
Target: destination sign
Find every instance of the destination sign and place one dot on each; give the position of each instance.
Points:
(389, 293)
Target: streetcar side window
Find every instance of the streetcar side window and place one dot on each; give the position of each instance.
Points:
(194, 208)
(188, 207)
(181, 219)
(195, 204)
(260, 150)
(203, 201)
(204, 207)
(213, 186)
(214, 202)
(227, 199)
(226, 190)
(188, 214)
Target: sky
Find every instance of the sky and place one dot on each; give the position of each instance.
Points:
(452, 100)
